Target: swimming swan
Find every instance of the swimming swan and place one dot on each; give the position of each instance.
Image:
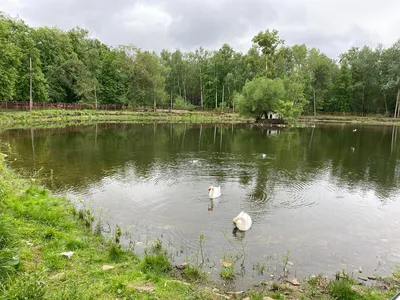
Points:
(243, 221)
(214, 192)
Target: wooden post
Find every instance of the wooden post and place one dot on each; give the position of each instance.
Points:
(30, 85)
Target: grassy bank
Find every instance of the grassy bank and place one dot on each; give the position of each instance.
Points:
(349, 119)
(36, 227)
(68, 117)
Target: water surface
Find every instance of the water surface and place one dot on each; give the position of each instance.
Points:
(328, 197)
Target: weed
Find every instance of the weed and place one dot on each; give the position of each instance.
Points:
(260, 268)
(115, 253)
(228, 273)
(192, 273)
(74, 244)
(156, 264)
(341, 289)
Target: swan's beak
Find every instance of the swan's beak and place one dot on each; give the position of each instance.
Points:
(209, 189)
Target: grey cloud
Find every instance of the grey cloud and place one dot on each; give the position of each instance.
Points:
(187, 24)
(333, 43)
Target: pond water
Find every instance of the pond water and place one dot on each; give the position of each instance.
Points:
(326, 198)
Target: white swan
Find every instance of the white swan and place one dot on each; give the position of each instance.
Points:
(354, 130)
(214, 192)
(264, 155)
(243, 221)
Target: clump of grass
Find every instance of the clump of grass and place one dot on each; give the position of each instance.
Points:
(193, 273)
(74, 244)
(50, 234)
(341, 289)
(156, 263)
(228, 267)
(8, 258)
(115, 253)
(156, 260)
(259, 267)
(228, 273)
(27, 286)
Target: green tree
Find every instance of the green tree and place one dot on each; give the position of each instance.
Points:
(260, 96)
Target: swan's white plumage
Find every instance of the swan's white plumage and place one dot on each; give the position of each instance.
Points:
(214, 192)
(243, 221)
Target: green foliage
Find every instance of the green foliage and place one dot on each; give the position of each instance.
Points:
(181, 104)
(341, 289)
(8, 258)
(260, 96)
(69, 66)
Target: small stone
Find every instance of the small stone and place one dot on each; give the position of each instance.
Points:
(225, 264)
(105, 267)
(359, 270)
(290, 263)
(363, 278)
(215, 290)
(57, 276)
(268, 298)
(293, 281)
(180, 282)
(224, 296)
(181, 266)
(247, 298)
(235, 293)
(67, 254)
(145, 288)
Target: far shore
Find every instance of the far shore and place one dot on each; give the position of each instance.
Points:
(63, 118)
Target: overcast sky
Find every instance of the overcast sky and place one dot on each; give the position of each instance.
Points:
(331, 25)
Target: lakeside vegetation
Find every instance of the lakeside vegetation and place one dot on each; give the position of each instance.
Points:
(71, 67)
(51, 118)
(37, 227)
(63, 118)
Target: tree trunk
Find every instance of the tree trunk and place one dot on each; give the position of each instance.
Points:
(362, 104)
(155, 102)
(396, 110)
(229, 97)
(201, 91)
(95, 97)
(171, 101)
(30, 85)
(223, 95)
(386, 108)
(179, 87)
(216, 94)
(315, 106)
(184, 91)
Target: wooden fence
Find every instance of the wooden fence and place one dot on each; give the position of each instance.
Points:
(24, 106)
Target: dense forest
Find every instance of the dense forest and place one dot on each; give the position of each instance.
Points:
(70, 66)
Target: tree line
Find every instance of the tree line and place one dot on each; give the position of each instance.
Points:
(71, 67)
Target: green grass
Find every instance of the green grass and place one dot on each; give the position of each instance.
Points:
(35, 227)
(58, 118)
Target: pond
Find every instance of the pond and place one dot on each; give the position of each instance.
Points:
(322, 199)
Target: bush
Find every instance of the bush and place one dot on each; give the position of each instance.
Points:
(181, 104)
